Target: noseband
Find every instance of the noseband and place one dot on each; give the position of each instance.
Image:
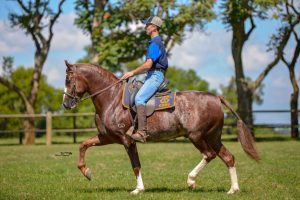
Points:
(73, 95)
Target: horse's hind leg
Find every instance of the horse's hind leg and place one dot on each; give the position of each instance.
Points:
(208, 155)
(136, 166)
(228, 159)
(94, 141)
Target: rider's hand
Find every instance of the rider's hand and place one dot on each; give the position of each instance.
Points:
(127, 75)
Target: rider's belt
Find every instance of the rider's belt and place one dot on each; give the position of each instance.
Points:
(159, 69)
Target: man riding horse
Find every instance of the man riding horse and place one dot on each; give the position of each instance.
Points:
(156, 65)
(198, 115)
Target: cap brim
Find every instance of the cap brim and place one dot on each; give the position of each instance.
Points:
(144, 21)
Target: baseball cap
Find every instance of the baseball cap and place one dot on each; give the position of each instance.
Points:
(153, 20)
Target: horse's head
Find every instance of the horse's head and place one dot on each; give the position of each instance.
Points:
(74, 86)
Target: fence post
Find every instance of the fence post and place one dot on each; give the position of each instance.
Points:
(20, 137)
(49, 128)
(74, 127)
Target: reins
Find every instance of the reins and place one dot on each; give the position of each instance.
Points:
(99, 92)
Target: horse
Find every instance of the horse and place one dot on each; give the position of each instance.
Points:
(197, 116)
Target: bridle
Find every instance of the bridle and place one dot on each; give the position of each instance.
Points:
(73, 95)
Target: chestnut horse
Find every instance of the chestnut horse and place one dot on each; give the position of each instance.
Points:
(197, 116)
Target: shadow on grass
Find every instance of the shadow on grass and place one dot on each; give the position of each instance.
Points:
(112, 189)
(273, 139)
(10, 144)
(38, 143)
(164, 189)
(63, 142)
(263, 139)
(150, 190)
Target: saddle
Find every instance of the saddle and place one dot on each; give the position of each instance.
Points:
(162, 99)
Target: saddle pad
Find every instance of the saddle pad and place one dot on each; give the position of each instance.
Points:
(158, 102)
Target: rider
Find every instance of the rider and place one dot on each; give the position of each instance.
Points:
(156, 65)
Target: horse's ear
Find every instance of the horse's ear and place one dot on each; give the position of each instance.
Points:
(68, 64)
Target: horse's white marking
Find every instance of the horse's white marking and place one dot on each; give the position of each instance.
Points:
(234, 182)
(140, 185)
(65, 90)
(193, 174)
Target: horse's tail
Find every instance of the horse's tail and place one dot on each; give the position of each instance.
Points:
(245, 136)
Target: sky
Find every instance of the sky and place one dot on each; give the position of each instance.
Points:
(207, 53)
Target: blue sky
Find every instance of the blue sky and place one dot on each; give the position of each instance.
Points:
(208, 54)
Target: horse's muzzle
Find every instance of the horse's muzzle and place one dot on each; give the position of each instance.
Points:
(69, 104)
(66, 105)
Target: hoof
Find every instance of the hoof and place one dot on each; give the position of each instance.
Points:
(191, 184)
(192, 187)
(233, 190)
(88, 174)
(139, 136)
(137, 191)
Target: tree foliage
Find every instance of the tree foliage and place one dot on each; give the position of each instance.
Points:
(181, 79)
(115, 34)
(49, 98)
(7, 66)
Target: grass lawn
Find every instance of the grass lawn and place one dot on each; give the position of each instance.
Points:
(35, 172)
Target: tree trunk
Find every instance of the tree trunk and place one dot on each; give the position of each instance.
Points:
(40, 58)
(294, 96)
(96, 28)
(294, 105)
(245, 95)
(29, 132)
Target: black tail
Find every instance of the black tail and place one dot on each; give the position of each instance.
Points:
(245, 136)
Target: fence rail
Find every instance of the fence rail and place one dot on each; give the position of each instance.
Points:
(50, 130)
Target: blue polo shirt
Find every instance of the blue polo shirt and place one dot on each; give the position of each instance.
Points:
(157, 52)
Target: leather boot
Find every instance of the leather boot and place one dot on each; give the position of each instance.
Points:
(140, 135)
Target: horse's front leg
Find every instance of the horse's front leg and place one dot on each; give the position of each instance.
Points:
(94, 141)
(136, 166)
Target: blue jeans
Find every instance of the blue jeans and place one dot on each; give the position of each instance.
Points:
(153, 80)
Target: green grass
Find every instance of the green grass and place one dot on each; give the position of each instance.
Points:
(34, 172)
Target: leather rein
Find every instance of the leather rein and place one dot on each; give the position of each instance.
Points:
(76, 98)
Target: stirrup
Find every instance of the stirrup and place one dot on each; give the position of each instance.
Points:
(137, 136)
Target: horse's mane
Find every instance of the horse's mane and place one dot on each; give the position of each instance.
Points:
(100, 70)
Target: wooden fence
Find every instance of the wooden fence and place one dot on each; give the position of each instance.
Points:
(49, 130)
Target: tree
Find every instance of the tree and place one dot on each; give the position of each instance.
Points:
(181, 79)
(289, 15)
(90, 17)
(114, 41)
(236, 14)
(48, 99)
(230, 92)
(37, 20)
